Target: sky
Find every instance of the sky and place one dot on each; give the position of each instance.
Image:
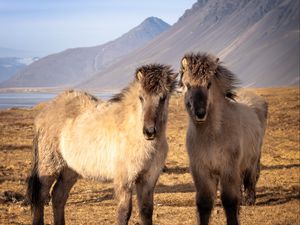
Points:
(49, 26)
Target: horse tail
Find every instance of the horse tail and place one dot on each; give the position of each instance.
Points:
(262, 114)
(265, 111)
(33, 181)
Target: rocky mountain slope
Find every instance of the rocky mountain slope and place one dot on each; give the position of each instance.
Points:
(258, 40)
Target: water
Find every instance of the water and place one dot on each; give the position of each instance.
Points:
(27, 100)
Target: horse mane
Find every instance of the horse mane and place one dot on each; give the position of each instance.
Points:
(157, 78)
(120, 96)
(227, 81)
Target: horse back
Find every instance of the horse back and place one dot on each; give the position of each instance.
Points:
(253, 117)
(256, 103)
(68, 104)
(51, 119)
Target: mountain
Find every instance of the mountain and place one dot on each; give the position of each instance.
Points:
(256, 39)
(9, 66)
(72, 66)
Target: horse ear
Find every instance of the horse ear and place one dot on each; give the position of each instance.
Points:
(184, 63)
(139, 75)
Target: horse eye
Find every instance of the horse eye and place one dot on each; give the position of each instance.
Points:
(209, 84)
(163, 98)
(188, 104)
(141, 98)
(188, 86)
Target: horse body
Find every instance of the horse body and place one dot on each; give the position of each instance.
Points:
(122, 140)
(96, 142)
(224, 136)
(238, 131)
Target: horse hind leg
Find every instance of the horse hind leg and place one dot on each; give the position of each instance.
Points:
(60, 194)
(250, 180)
(38, 191)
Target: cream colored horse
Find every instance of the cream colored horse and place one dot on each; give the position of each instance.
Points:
(123, 140)
(224, 136)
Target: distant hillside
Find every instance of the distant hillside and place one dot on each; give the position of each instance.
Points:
(257, 39)
(9, 66)
(72, 66)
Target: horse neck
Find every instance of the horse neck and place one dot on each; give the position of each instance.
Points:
(130, 113)
(128, 108)
(215, 112)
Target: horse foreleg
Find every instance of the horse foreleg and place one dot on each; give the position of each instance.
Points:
(124, 197)
(145, 185)
(230, 196)
(146, 182)
(206, 188)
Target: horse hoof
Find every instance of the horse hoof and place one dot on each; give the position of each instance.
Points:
(249, 201)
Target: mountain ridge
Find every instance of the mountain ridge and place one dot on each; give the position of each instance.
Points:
(70, 67)
(230, 29)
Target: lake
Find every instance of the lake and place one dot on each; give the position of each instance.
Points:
(26, 100)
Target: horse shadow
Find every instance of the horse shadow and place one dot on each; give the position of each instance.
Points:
(265, 195)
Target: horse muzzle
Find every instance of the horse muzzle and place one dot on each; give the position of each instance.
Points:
(200, 115)
(149, 133)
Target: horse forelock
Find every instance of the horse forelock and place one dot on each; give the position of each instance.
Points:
(157, 79)
(203, 66)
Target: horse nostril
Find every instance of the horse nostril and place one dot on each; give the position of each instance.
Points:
(149, 131)
(200, 114)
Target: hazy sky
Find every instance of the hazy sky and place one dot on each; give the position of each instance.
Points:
(48, 26)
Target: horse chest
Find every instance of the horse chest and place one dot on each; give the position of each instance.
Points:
(209, 152)
(213, 157)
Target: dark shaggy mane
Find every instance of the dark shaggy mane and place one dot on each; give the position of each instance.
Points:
(157, 78)
(228, 81)
(231, 95)
(119, 96)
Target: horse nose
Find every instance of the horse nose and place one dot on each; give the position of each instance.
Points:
(149, 132)
(200, 114)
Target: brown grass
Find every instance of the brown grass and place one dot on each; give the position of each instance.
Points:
(92, 203)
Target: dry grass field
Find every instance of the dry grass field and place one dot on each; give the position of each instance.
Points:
(278, 199)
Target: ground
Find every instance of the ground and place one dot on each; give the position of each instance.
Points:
(278, 195)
